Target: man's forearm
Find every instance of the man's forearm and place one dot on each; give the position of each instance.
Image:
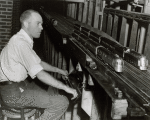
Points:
(48, 67)
(49, 80)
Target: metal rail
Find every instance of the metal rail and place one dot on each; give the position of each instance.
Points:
(131, 15)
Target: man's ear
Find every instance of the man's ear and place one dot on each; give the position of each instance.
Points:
(25, 24)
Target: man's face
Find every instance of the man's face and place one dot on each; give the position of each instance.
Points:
(35, 25)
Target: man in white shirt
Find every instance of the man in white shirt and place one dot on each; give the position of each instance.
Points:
(18, 60)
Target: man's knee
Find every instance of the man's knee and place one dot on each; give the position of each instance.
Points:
(65, 100)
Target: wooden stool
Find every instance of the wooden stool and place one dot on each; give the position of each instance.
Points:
(13, 113)
(19, 112)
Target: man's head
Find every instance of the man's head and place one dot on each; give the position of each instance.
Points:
(31, 22)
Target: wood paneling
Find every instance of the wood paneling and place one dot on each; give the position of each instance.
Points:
(80, 12)
(96, 14)
(59, 63)
(132, 44)
(53, 55)
(142, 39)
(64, 63)
(109, 24)
(104, 22)
(69, 9)
(122, 32)
(147, 44)
(84, 18)
(90, 13)
(73, 10)
(56, 60)
(115, 27)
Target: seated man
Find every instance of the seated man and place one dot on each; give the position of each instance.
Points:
(18, 60)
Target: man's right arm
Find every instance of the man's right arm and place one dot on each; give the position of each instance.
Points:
(31, 61)
(50, 80)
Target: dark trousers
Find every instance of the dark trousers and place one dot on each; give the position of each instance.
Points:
(29, 94)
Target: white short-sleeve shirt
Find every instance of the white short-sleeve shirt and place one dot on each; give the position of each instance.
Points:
(18, 59)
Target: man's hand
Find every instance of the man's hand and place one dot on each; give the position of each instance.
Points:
(71, 91)
(64, 77)
(63, 72)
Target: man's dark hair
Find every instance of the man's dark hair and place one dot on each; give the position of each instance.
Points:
(26, 14)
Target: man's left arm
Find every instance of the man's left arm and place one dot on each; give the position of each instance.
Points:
(50, 68)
